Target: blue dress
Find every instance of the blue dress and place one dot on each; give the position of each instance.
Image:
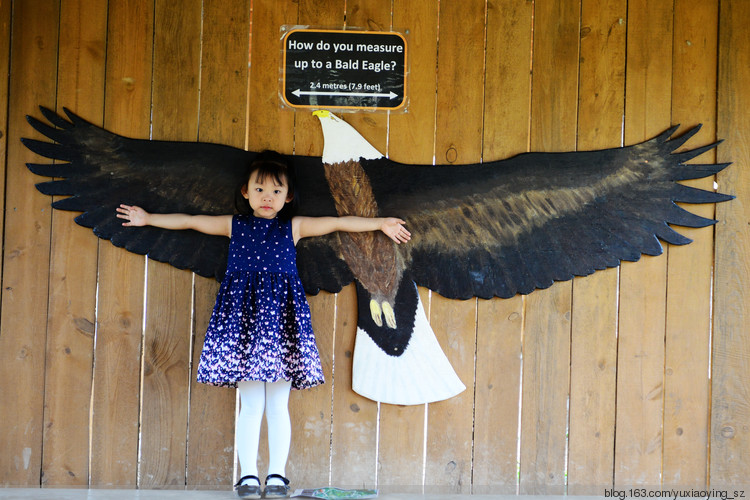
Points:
(260, 327)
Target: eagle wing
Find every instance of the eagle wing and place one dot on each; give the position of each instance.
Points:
(515, 225)
(100, 170)
(319, 260)
(491, 229)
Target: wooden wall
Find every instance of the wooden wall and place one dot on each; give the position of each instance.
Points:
(637, 376)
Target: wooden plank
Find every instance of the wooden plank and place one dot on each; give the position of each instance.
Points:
(411, 140)
(5, 44)
(310, 409)
(348, 415)
(355, 417)
(72, 302)
(26, 248)
(119, 326)
(730, 388)
(458, 139)
(507, 90)
(308, 137)
(164, 406)
(546, 358)
(223, 99)
(498, 384)
(116, 394)
(546, 349)
(593, 368)
(690, 268)
(640, 356)
(507, 85)
(5, 32)
(412, 133)
(312, 442)
(268, 127)
(275, 130)
(449, 422)
(373, 15)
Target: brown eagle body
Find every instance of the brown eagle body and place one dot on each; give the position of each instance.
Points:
(371, 256)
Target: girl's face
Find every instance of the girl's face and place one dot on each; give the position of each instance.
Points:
(266, 198)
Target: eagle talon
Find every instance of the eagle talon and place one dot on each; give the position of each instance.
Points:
(390, 315)
(376, 313)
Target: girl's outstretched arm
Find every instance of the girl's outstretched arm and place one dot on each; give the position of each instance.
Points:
(209, 224)
(304, 227)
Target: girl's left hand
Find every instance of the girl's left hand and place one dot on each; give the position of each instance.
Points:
(395, 230)
(135, 216)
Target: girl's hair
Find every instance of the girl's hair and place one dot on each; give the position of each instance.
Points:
(273, 164)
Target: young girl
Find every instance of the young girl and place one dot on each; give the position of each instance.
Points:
(259, 338)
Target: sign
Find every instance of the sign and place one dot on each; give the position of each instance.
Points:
(344, 69)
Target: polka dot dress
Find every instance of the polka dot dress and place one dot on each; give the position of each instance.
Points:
(260, 327)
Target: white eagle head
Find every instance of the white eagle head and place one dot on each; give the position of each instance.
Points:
(341, 142)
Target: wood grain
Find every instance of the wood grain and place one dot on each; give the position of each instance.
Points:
(117, 368)
(5, 39)
(458, 132)
(272, 127)
(354, 445)
(72, 302)
(480, 88)
(507, 97)
(268, 127)
(26, 249)
(498, 385)
(167, 335)
(640, 355)
(411, 139)
(371, 15)
(546, 346)
(223, 102)
(687, 385)
(730, 387)
(593, 370)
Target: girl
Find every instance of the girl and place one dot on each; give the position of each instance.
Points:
(259, 338)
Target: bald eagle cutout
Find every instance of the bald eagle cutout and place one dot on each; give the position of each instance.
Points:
(498, 228)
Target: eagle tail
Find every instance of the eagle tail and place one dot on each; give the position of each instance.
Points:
(420, 374)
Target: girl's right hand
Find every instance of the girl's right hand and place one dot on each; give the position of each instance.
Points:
(135, 216)
(394, 228)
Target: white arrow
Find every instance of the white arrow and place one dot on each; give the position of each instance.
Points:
(299, 92)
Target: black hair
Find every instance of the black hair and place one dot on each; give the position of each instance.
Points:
(273, 164)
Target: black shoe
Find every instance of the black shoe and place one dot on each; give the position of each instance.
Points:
(275, 490)
(248, 490)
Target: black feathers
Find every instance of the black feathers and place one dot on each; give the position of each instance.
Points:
(492, 229)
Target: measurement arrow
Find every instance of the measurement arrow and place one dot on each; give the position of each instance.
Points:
(390, 95)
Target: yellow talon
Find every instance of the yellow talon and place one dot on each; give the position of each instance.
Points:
(390, 315)
(376, 313)
(321, 113)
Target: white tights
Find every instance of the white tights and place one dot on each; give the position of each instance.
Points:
(255, 397)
